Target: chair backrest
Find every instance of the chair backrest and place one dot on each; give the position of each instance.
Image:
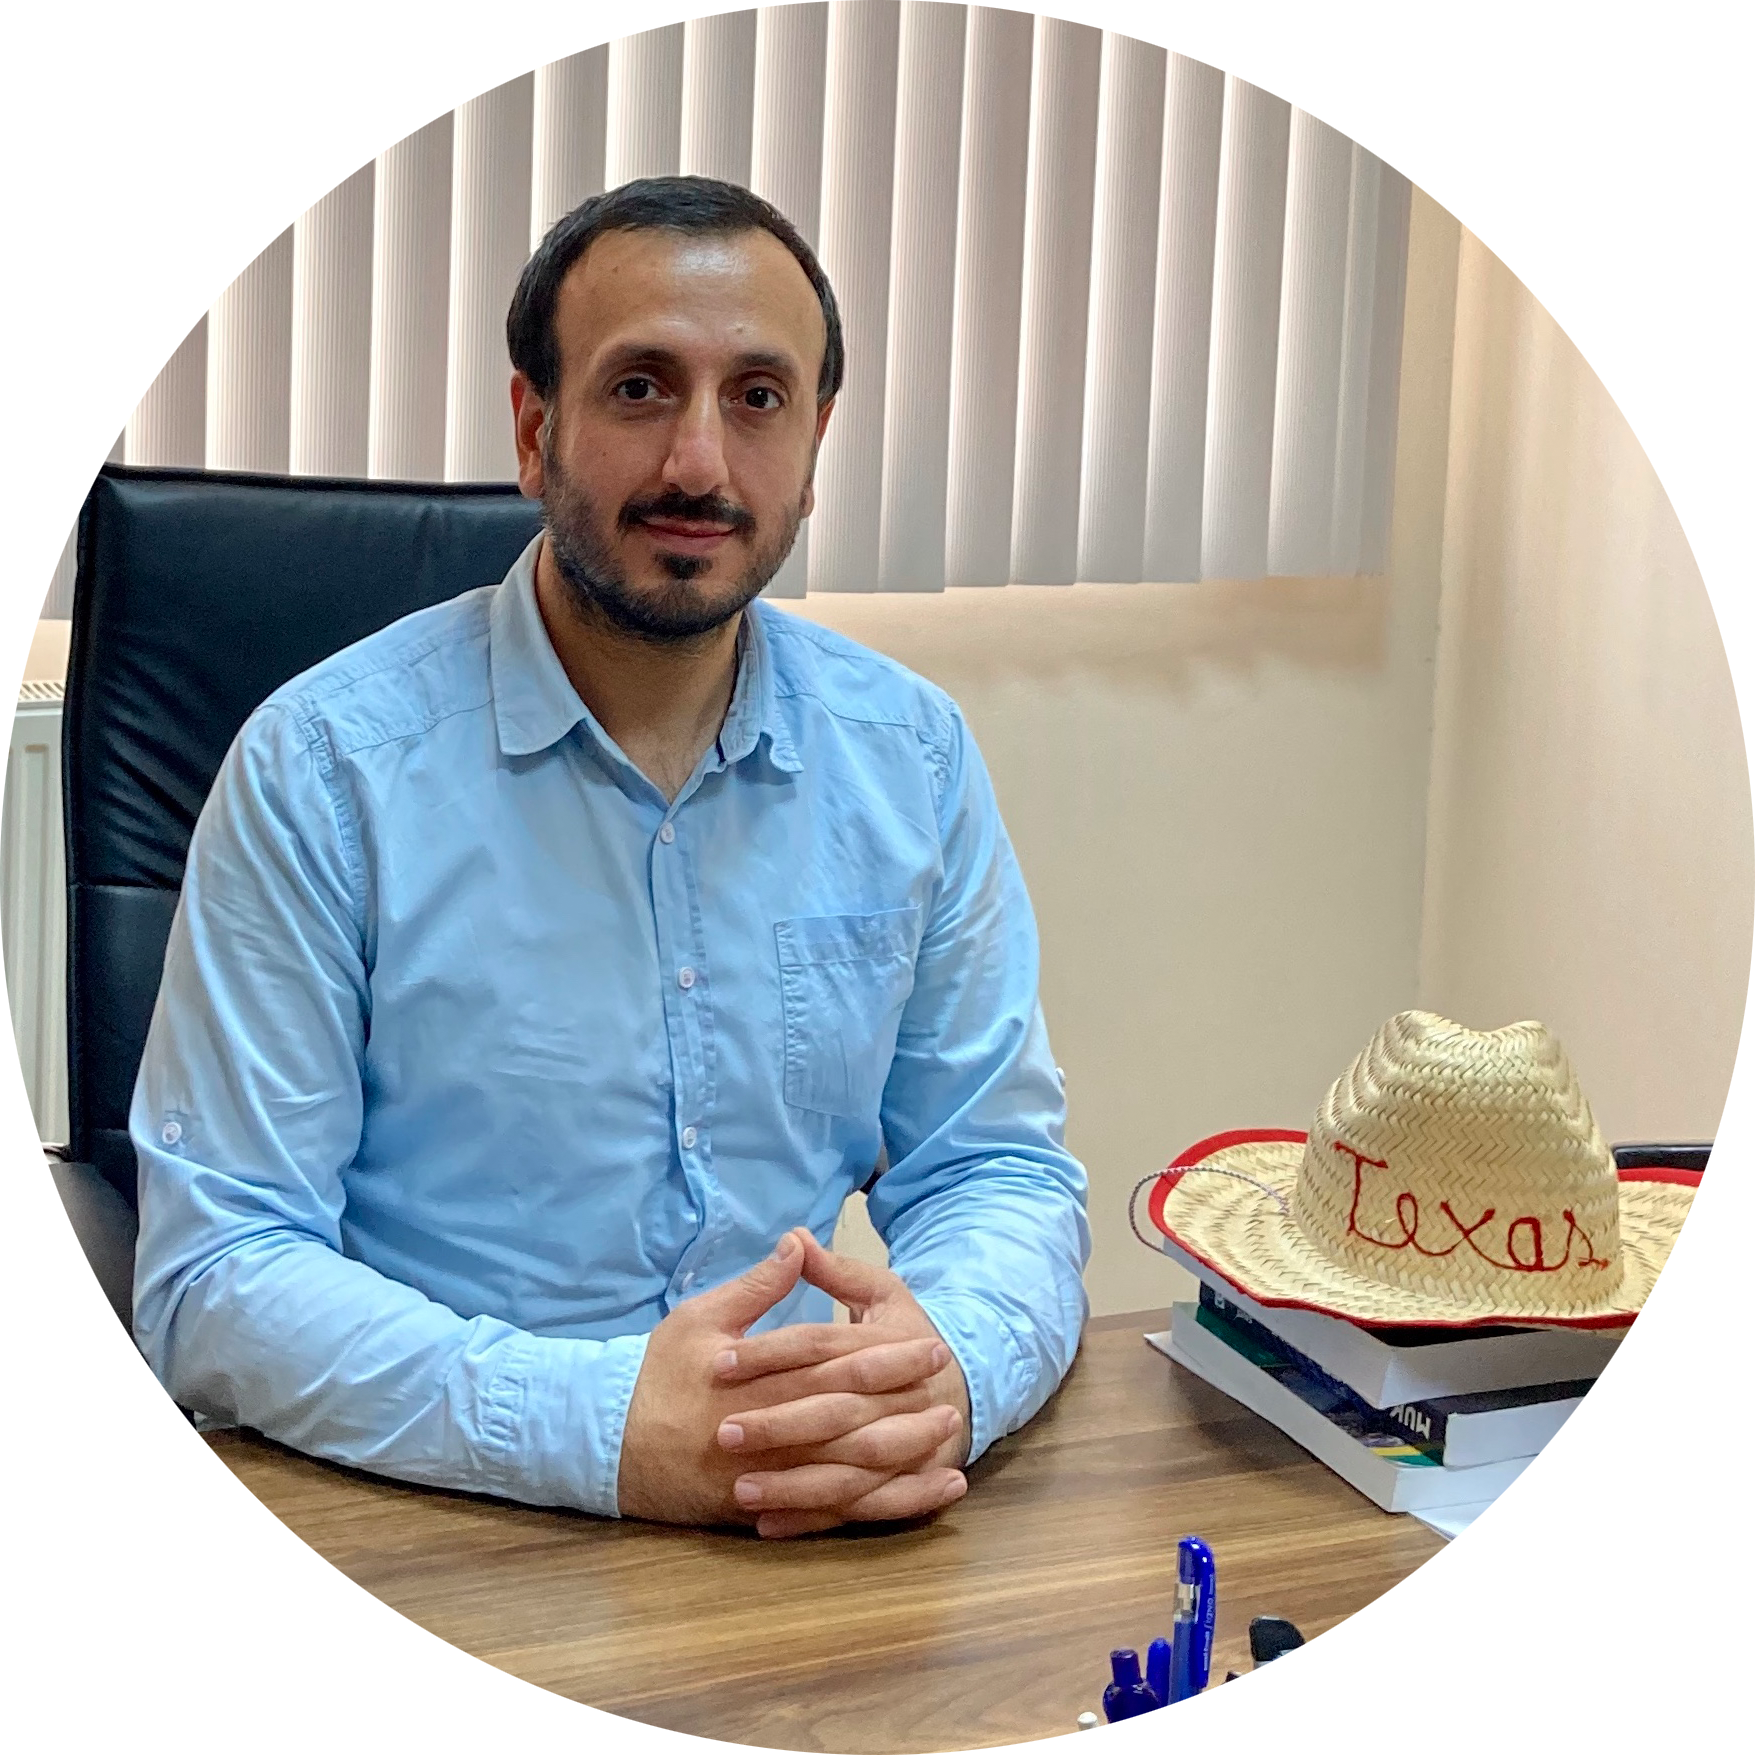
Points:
(198, 594)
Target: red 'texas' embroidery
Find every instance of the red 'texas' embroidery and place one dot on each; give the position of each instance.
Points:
(1523, 1235)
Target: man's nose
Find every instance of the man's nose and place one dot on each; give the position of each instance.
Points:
(696, 464)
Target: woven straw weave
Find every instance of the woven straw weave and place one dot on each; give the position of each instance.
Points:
(1450, 1175)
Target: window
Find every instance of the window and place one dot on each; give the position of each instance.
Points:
(1122, 278)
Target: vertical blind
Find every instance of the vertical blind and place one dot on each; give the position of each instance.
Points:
(1112, 315)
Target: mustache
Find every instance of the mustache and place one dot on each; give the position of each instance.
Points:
(702, 508)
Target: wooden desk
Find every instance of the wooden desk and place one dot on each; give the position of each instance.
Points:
(214, 1592)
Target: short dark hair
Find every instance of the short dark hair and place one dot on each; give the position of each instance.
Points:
(701, 205)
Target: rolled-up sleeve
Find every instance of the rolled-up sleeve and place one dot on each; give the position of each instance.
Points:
(982, 1206)
(246, 1115)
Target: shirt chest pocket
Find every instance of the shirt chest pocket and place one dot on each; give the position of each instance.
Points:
(844, 979)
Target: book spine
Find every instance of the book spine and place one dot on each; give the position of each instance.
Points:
(1417, 1423)
(1420, 1423)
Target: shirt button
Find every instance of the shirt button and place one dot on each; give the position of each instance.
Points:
(689, 1136)
(170, 1133)
(685, 979)
(667, 834)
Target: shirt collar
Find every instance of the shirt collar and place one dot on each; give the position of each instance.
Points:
(754, 713)
(535, 706)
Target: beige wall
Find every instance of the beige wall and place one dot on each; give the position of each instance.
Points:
(1217, 792)
(47, 659)
(1590, 856)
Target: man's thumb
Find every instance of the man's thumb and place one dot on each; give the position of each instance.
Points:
(857, 1284)
(738, 1303)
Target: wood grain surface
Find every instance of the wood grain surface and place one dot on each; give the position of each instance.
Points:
(991, 1625)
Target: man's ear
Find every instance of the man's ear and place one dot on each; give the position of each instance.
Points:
(529, 428)
(808, 503)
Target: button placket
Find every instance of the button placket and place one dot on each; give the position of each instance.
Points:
(682, 993)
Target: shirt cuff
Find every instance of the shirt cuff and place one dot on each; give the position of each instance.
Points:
(993, 1365)
(560, 1408)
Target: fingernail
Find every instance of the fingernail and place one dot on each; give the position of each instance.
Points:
(941, 1356)
(731, 1435)
(747, 1493)
(952, 1420)
(954, 1491)
(726, 1363)
(786, 1248)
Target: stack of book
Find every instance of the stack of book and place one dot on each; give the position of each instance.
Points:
(1418, 1419)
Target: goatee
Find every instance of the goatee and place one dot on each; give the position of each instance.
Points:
(679, 609)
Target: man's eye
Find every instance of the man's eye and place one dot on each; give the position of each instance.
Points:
(636, 390)
(761, 396)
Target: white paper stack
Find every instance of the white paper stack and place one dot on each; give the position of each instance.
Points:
(1388, 1367)
(1394, 1485)
(1490, 1439)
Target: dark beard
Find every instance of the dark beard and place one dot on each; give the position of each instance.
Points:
(599, 588)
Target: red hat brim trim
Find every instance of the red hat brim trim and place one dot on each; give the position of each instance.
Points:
(1201, 1150)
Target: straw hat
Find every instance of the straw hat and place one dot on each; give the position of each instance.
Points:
(1451, 1176)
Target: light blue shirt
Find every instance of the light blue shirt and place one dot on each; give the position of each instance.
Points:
(473, 1056)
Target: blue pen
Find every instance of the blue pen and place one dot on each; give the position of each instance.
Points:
(1191, 1649)
(1158, 1670)
(1127, 1696)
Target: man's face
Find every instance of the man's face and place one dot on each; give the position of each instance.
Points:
(675, 458)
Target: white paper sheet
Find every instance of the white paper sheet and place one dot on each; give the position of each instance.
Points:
(1697, 1471)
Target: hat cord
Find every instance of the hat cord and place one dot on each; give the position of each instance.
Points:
(1261, 1187)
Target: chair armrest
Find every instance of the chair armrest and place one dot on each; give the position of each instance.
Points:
(97, 1232)
(1726, 1157)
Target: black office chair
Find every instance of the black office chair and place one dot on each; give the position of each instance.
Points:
(197, 595)
(1651, 1156)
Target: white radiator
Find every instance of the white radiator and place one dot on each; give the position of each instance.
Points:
(33, 903)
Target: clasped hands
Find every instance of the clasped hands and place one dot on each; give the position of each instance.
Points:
(801, 1428)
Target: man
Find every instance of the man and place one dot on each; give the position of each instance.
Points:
(544, 958)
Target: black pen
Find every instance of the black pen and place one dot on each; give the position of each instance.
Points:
(1280, 1652)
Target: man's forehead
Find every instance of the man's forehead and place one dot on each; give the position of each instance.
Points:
(669, 282)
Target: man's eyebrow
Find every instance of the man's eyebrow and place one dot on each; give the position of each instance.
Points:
(782, 365)
(640, 353)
